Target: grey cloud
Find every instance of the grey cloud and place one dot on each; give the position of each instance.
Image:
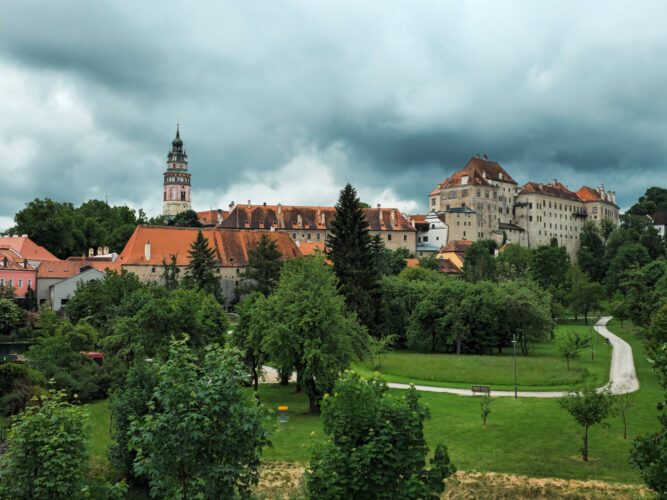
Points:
(573, 91)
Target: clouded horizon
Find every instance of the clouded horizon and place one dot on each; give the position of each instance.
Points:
(287, 101)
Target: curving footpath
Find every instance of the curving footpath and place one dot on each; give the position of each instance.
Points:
(622, 376)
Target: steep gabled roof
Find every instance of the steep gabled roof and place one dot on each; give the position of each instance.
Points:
(491, 169)
(231, 246)
(556, 190)
(11, 260)
(475, 178)
(27, 248)
(457, 246)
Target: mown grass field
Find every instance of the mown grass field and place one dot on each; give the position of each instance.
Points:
(543, 369)
(531, 437)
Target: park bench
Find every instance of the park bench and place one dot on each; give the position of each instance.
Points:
(482, 389)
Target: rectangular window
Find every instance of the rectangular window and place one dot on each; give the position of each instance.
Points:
(2, 281)
(530, 205)
(11, 282)
(425, 239)
(405, 237)
(389, 237)
(479, 193)
(293, 236)
(486, 194)
(595, 210)
(432, 201)
(30, 283)
(530, 218)
(20, 283)
(318, 236)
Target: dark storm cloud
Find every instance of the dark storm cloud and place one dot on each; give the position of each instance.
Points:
(391, 97)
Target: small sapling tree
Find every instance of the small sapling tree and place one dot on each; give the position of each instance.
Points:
(485, 406)
(375, 446)
(623, 403)
(377, 347)
(588, 407)
(571, 345)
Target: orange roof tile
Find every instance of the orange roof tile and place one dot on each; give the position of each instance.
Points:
(231, 246)
(557, 190)
(27, 248)
(288, 217)
(492, 169)
(212, 217)
(456, 246)
(307, 247)
(411, 262)
(12, 261)
(448, 267)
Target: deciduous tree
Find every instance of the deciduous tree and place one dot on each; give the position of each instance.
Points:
(589, 407)
(375, 446)
(203, 434)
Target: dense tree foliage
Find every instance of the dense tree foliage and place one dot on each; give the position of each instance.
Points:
(255, 318)
(187, 218)
(11, 316)
(310, 329)
(66, 230)
(654, 198)
(549, 265)
(58, 356)
(583, 295)
(349, 248)
(18, 385)
(203, 433)
(130, 404)
(480, 263)
(47, 457)
(375, 446)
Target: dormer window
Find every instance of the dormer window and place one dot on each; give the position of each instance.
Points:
(464, 179)
(500, 176)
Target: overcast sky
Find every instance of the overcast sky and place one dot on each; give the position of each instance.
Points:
(284, 101)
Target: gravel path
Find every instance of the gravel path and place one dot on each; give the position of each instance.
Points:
(622, 376)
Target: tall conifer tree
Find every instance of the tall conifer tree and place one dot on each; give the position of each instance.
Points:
(350, 248)
(264, 265)
(202, 270)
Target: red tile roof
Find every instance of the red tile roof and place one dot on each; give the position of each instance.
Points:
(457, 246)
(492, 169)
(27, 248)
(267, 216)
(231, 246)
(212, 217)
(557, 190)
(475, 178)
(411, 262)
(62, 269)
(13, 262)
(308, 247)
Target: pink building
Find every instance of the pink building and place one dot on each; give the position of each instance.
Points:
(17, 272)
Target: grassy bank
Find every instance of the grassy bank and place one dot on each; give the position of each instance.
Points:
(543, 369)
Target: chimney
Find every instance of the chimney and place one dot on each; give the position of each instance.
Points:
(486, 158)
(323, 219)
(147, 250)
(392, 214)
(106, 250)
(613, 197)
(484, 173)
(553, 182)
(219, 215)
(477, 155)
(264, 203)
(99, 250)
(231, 206)
(297, 243)
(91, 252)
(379, 206)
(249, 205)
(280, 209)
(609, 195)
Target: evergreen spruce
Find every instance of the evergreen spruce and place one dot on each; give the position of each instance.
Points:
(350, 248)
(202, 271)
(264, 266)
(170, 272)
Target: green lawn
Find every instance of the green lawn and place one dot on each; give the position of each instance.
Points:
(530, 436)
(543, 369)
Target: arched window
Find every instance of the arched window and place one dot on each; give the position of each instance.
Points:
(182, 195)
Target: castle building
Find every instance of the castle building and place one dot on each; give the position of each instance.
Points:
(313, 224)
(483, 202)
(176, 192)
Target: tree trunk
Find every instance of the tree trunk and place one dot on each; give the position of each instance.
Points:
(625, 426)
(584, 450)
(184, 482)
(585, 317)
(255, 379)
(458, 345)
(313, 396)
(568, 363)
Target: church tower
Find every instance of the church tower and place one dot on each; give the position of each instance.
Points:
(176, 193)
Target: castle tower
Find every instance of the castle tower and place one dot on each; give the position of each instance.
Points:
(176, 193)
